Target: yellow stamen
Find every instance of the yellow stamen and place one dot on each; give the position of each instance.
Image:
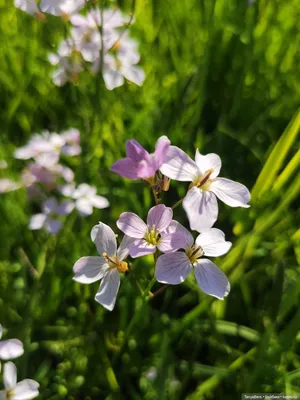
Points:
(194, 252)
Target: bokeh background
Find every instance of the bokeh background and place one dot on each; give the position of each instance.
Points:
(222, 76)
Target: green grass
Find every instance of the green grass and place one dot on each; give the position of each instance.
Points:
(222, 77)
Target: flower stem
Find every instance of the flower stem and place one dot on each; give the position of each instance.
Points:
(156, 199)
(177, 204)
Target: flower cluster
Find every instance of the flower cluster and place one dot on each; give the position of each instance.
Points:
(176, 253)
(98, 41)
(51, 183)
(27, 388)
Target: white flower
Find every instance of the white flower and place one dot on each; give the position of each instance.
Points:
(29, 6)
(86, 198)
(200, 203)
(173, 268)
(61, 7)
(7, 185)
(107, 267)
(10, 348)
(24, 390)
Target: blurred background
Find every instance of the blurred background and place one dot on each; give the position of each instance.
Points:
(221, 76)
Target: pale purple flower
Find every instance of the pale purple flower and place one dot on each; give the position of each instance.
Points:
(24, 390)
(107, 267)
(49, 218)
(159, 232)
(173, 268)
(200, 203)
(28, 6)
(10, 348)
(86, 198)
(61, 7)
(139, 164)
(7, 185)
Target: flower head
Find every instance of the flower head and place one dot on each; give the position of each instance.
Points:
(139, 164)
(200, 203)
(49, 218)
(159, 232)
(173, 268)
(107, 267)
(24, 390)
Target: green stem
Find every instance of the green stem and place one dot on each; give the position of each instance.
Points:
(177, 204)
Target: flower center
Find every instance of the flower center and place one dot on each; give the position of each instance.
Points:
(9, 394)
(194, 252)
(203, 182)
(114, 262)
(152, 236)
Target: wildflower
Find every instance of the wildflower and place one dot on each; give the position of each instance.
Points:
(200, 203)
(11, 348)
(173, 268)
(7, 185)
(49, 218)
(159, 232)
(61, 7)
(24, 390)
(107, 267)
(86, 198)
(139, 164)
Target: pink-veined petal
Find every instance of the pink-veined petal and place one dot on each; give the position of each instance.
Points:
(161, 150)
(160, 216)
(170, 242)
(11, 348)
(124, 247)
(232, 193)
(89, 269)
(132, 225)
(211, 279)
(213, 243)
(10, 375)
(179, 166)
(210, 161)
(127, 168)
(141, 248)
(172, 268)
(201, 208)
(105, 239)
(26, 390)
(187, 239)
(136, 151)
(108, 289)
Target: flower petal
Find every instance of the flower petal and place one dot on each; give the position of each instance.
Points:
(172, 268)
(105, 239)
(201, 208)
(170, 242)
(160, 216)
(179, 166)
(126, 167)
(10, 375)
(161, 150)
(232, 193)
(123, 249)
(112, 79)
(53, 226)
(26, 390)
(134, 74)
(136, 151)
(108, 289)
(11, 348)
(84, 206)
(99, 202)
(213, 243)
(89, 269)
(37, 221)
(211, 279)
(132, 225)
(141, 248)
(210, 161)
(187, 239)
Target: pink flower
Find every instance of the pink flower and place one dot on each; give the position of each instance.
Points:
(139, 164)
(200, 203)
(49, 218)
(107, 267)
(173, 268)
(159, 232)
